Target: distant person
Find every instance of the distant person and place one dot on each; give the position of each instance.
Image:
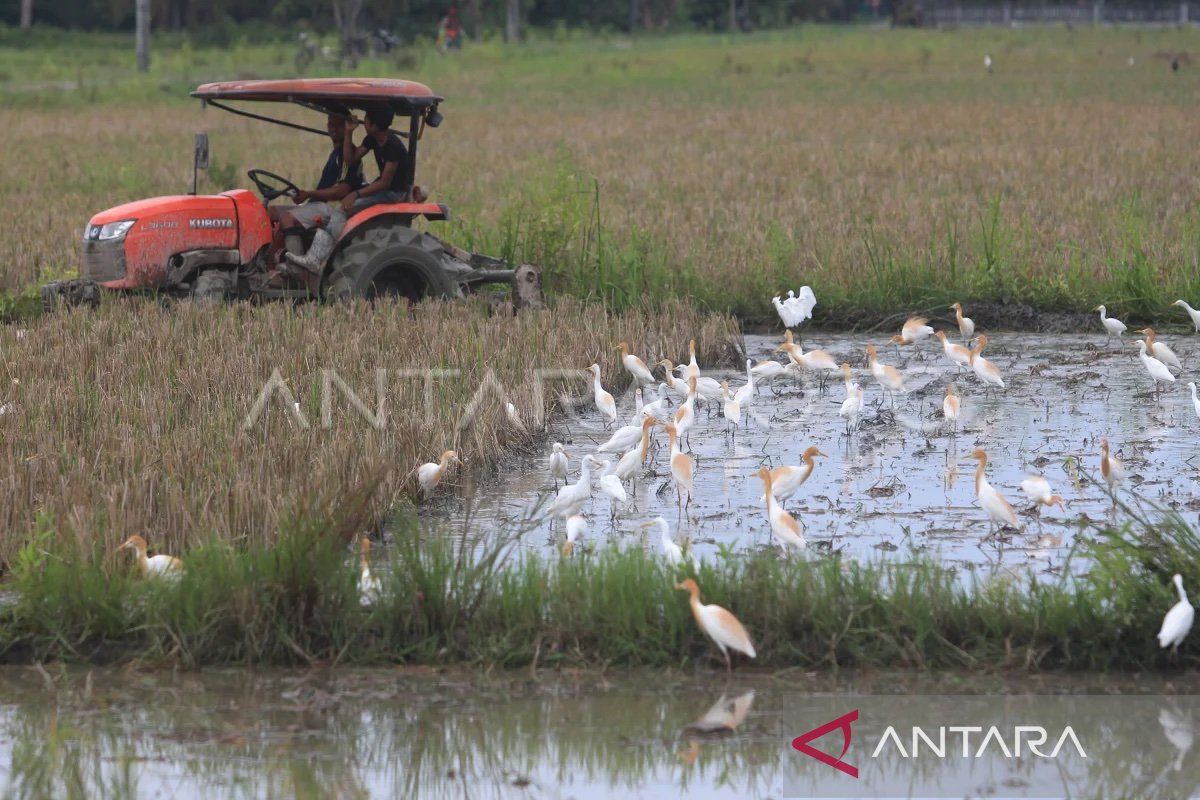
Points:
(449, 35)
(392, 185)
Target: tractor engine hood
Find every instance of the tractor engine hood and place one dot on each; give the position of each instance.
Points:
(130, 246)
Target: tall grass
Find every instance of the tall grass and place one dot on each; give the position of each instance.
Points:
(138, 418)
(449, 601)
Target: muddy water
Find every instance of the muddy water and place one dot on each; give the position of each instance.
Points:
(903, 482)
(399, 733)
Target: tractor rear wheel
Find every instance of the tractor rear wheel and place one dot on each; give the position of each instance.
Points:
(388, 261)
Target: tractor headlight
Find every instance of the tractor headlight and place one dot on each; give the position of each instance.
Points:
(109, 231)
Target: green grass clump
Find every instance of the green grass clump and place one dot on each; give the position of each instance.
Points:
(449, 600)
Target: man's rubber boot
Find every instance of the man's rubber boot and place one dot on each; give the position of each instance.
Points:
(322, 246)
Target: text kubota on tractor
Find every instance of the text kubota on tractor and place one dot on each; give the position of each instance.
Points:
(226, 246)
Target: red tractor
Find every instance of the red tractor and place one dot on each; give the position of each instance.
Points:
(226, 246)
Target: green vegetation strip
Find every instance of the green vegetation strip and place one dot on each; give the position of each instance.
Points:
(297, 603)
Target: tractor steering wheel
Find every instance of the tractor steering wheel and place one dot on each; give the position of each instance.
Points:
(270, 188)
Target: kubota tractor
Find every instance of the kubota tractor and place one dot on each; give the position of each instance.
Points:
(226, 246)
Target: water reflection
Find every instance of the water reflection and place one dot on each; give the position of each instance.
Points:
(403, 733)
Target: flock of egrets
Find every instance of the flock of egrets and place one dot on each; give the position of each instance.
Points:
(684, 388)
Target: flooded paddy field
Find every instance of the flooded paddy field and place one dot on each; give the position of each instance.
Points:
(904, 481)
(408, 733)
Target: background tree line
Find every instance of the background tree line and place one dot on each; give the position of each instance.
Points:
(409, 18)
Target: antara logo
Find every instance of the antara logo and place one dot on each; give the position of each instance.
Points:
(991, 742)
(210, 222)
(843, 724)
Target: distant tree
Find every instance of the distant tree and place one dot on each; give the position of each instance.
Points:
(142, 35)
(512, 21)
(345, 16)
(26, 14)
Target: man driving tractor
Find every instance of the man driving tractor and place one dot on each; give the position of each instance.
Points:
(336, 181)
(392, 185)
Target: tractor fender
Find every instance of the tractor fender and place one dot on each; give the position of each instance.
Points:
(386, 257)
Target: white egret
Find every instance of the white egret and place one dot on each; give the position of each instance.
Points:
(1158, 371)
(951, 406)
(958, 355)
(731, 409)
(576, 528)
(852, 406)
(1160, 350)
(572, 497)
(628, 464)
(605, 403)
(1111, 469)
(966, 325)
(558, 463)
(913, 331)
(1037, 489)
(787, 480)
(430, 474)
(888, 377)
(1178, 621)
(159, 566)
(635, 366)
(999, 511)
(1195, 400)
(1112, 326)
(1191, 312)
(784, 526)
(985, 370)
(683, 468)
(718, 624)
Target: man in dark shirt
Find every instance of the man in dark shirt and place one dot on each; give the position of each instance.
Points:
(335, 183)
(392, 185)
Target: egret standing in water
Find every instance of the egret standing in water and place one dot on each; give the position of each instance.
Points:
(852, 406)
(1195, 400)
(1178, 621)
(783, 525)
(958, 355)
(1192, 312)
(558, 464)
(1160, 350)
(683, 469)
(1112, 326)
(951, 405)
(1111, 469)
(572, 497)
(429, 475)
(999, 511)
(605, 403)
(888, 377)
(966, 325)
(635, 366)
(985, 370)
(1157, 370)
(786, 481)
(718, 624)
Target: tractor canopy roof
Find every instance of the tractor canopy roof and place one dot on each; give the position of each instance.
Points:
(405, 97)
